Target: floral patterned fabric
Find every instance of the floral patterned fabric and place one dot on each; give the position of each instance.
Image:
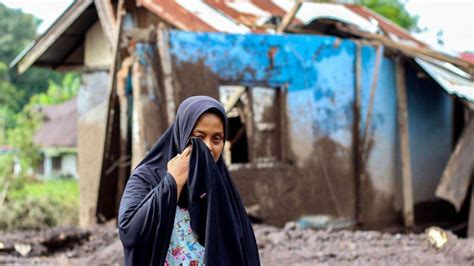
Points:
(184, 247)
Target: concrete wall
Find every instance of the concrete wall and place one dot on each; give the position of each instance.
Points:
(98, 53)
(91, 111)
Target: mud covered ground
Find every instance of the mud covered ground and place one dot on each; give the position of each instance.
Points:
(278, 246)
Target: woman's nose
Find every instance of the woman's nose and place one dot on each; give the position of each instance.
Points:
(208, 143)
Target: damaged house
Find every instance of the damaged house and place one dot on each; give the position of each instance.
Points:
(332, 108)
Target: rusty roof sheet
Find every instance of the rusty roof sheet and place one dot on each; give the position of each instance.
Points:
(59, 128)
(392, 30)
(248, 16)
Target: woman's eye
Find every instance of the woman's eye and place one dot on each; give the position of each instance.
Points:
(218, 139)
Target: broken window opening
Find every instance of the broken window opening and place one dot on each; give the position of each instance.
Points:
(56, 163)
(254, 124)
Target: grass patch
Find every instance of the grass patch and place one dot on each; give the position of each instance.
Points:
(62, 190)
(39, 205)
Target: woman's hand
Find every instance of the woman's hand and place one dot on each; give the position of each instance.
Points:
(178, 167)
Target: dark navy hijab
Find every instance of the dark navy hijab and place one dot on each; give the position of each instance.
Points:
(218, 217)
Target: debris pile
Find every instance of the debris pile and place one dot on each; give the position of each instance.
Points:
(294, 246)
(278, 246)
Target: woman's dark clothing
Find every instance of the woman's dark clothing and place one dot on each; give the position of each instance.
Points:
(218, 217)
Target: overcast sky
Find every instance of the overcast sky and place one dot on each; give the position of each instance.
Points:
(454, 17)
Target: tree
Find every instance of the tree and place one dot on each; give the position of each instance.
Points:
(393, 10)
(17, 30)
(27, 122)
(58, 92)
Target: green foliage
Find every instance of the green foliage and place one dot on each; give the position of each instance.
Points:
(27, 122)
(393, 10)
(6, 168)
(10, 96)
(29, 205)
(39, 205)
(64, 190)
(21, 138)
(17, 30)
(58, 93)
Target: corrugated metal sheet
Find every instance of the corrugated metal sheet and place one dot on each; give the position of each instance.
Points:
(452, 79)
(247, 16)
(244, 16)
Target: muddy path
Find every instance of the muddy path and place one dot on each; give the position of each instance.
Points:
(278, 246)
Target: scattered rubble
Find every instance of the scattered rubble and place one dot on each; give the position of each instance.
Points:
(278, 246)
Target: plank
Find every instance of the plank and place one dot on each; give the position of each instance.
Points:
(407, 185)
(454, 183)
(105, 12)
(289, 16)
(166, 66)
(470, 227)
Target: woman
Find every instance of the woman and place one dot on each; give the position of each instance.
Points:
(180, 205)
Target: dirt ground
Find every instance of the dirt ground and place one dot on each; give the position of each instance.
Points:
(278, 246)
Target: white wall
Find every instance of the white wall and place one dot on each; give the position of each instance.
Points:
(97, 51)
(69, 165)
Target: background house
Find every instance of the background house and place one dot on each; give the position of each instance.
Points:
(57, 140)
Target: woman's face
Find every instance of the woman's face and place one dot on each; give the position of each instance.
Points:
(210, 129)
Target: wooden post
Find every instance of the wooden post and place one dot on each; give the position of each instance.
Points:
(166, 66)
(470, 227)
(356, 134)
(104, 199)
(407, 190)
(375, 79)
(105, 12)
(251, 127)
(138, 127)
(124, 171)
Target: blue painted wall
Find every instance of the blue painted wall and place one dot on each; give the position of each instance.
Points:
(430, 119)
(318, 72)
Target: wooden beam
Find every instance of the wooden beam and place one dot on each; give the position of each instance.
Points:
(407, 186)
(233, 99)
(113, 77)
(110, 119)
(470, 227)
(139, 148)
(289, 16)
(105, 12)
(125, 125)
(454, 184)
(356, 147)
(375, 79)
(166, 66)
(409, 50)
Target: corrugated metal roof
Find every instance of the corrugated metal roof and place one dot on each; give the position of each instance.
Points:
(240, 17)
(453, 80)
(248, 16)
